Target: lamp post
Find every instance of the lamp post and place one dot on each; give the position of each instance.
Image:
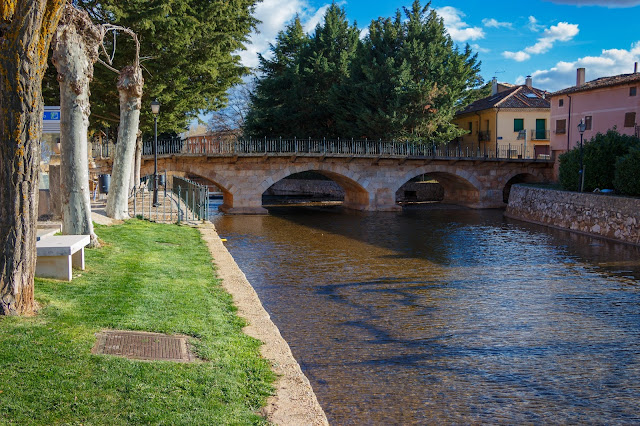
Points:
(581, 128)
(155, 109)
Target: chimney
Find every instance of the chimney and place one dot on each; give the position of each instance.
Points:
(528, 82)
(494, 86)
(635, 68)
(580, 77)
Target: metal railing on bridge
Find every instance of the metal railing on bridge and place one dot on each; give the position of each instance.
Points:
(334, 147)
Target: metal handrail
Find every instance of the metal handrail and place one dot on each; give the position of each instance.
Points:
(209, 146)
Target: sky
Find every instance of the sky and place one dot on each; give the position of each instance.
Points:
(547, 39)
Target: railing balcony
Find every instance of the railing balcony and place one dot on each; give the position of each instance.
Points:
(484, 136)
(540, 135)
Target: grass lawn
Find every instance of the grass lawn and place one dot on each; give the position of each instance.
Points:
(147, 277)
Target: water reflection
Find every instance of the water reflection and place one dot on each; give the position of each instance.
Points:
(453, 316)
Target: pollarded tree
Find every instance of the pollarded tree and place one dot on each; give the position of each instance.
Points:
(75, 50)
(26, 28)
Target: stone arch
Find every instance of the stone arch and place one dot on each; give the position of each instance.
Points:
(171, 165)
(356, 195)
(518, 177)
(460, 186)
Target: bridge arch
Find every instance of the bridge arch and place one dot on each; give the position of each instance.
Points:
(513, 178)
(355, 194)
(170, 165)
(460, 186)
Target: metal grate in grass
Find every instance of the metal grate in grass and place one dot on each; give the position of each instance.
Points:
(142, 345)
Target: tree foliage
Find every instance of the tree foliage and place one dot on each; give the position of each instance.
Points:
(187, 48)
(405, 79)
(627, 171)
(600, 155)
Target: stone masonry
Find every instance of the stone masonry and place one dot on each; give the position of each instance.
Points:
(608, 216)
(368, 183)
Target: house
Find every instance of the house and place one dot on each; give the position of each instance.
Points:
(513, 121)
(602, 104)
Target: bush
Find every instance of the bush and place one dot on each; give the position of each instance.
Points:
(599, 158)
(627, 179)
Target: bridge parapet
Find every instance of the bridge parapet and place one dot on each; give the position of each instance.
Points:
(209, 146)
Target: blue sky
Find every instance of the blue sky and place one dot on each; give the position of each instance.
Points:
(547, 39)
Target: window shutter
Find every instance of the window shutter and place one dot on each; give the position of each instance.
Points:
(561, 126)
(630, 119)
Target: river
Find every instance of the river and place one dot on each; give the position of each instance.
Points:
(448, 315)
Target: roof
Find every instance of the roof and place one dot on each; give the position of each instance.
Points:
(514, 97)
(599, 83)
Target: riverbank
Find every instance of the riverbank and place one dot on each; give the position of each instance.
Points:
(605, 216)
(146, 277)
(294, 402)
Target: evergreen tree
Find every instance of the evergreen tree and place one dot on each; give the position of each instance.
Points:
(406, 79)
(187, 48)
(274, 103)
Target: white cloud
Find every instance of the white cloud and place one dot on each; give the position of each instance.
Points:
(607, 3)
(494, 23)
(275, 14)
(478, 48)
(457, 28)
(533, 24)
(516, 56)
(609, 62)
(561, 32)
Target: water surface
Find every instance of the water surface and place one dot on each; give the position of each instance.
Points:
(448, 316)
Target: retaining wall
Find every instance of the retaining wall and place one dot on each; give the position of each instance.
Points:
(608, 216)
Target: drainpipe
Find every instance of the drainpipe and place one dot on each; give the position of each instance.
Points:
(497, 112)
(569, 125)
(479, 128)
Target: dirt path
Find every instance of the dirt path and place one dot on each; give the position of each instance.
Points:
(294, 402)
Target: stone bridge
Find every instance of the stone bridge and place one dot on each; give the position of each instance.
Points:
(369, 177)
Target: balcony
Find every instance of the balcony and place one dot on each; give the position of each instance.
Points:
(484, 136)
(539, 135)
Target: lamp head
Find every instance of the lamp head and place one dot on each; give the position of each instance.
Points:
(582, 126)
(155, 107)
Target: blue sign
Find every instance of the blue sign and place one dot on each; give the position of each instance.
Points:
(51, 116)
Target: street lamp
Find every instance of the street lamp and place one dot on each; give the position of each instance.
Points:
(155, 109)
(581, 128)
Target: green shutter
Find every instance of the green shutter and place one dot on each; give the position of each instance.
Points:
(518, 124)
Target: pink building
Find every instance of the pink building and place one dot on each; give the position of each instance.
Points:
(603, 104)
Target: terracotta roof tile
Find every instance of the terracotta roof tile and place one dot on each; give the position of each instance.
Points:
(600, 83)
(515, 97)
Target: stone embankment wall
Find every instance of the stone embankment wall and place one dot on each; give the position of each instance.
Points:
(420, 191)
(608, 216)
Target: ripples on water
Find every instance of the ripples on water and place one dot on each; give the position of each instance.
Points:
(448, 316)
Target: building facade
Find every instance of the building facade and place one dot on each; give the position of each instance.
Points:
(602, 104)
(513, 121)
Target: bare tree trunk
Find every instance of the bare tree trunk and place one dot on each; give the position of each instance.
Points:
(138, 164)
(75, 50)
(130, 85)
(26, 28)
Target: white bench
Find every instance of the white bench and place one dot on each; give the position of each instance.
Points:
(58, 253)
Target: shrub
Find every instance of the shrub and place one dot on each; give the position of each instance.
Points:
(627, 180)
(599, 158)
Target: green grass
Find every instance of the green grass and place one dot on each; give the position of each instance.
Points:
(145, 277)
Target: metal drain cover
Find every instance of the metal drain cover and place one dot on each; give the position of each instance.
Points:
(142, 345)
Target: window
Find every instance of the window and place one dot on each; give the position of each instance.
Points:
(630, 119)
(633, 91)
(470, 127)
(561, 103)
(518, 124)
(561, 126)
(587, 122)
